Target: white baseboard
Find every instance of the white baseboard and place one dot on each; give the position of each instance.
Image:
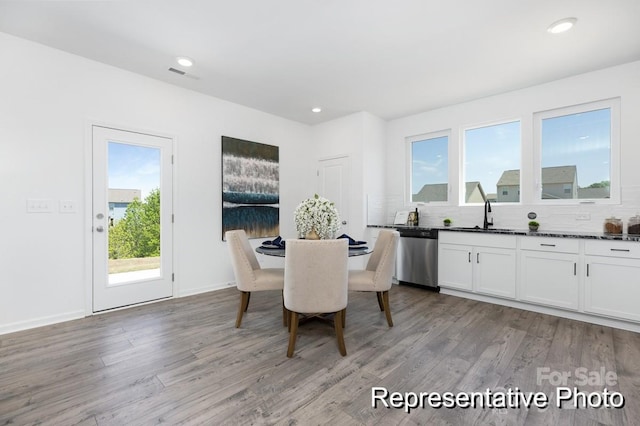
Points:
(579, 316)
(39, 322)
(217, 286)
(54, 319)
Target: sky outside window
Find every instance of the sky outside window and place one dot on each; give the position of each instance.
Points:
(134, 167)
(489, 152)
(582, 140)
(430, 164)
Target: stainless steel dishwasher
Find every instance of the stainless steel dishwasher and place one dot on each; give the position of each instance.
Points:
(417, 258)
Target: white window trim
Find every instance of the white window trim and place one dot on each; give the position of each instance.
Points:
(614, 161)
(408, 193)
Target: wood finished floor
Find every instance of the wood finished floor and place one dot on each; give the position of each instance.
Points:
(182, 362)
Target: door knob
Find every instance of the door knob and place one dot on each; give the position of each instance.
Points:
(99, 229)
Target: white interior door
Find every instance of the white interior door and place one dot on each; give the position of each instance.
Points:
(132, 218)
(333, 184)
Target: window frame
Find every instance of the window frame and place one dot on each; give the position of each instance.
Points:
(409, 140)
(613, 104)
(463, 155)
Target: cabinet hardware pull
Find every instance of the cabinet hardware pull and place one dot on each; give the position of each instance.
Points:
(469, 257)
(587, 269)
(627, 250)
(477, 257)
(547, 245)
(574, 268)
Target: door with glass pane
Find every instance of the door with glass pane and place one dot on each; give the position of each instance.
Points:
(132, 218)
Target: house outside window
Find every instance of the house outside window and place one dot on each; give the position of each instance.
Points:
(119, 200)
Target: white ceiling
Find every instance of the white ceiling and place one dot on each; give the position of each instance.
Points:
(391, 58)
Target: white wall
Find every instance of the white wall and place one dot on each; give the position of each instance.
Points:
(47, 99)
(622, 81)
(361, 136)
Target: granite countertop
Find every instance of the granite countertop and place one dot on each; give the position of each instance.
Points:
(526, 232)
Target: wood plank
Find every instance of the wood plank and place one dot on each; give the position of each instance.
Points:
(182, 361)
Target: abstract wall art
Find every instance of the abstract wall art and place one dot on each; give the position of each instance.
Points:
(250, 187)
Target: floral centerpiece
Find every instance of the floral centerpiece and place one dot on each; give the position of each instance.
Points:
(317, 215)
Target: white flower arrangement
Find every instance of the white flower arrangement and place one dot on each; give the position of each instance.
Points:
(317, 213)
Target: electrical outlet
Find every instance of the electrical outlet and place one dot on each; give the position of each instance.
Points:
(68, 206)
(583, 216)
(38, 205)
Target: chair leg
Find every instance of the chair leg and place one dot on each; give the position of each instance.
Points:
(380, 302)
(248, 298)
(339, 335)
(344, 318)
(293, 331)
(284, 313)
(387, 308)
(244, 303)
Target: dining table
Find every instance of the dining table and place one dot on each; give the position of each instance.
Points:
(280, 252)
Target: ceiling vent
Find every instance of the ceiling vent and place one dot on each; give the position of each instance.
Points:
(183, 73)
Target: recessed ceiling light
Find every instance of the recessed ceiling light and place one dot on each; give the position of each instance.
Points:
(184, 61)
(562, 25)
(316, 109)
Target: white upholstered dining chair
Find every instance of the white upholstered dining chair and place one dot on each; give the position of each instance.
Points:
(315, 282)
(379, 270)
(249, 275)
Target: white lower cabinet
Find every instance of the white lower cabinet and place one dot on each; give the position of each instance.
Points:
(612, 279)
(487, 265)
(549, 272)
(584, 278)
(454, 266)
(495, 271)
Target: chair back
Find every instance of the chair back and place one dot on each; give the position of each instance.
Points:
(243, 258)
(383, 258)
(315, 275)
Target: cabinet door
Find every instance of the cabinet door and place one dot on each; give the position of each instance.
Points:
(549, 279)
(454, 266)
(495, 271)
(612, 287)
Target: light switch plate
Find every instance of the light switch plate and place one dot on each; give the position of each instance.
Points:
(39, 205)
(68, 206)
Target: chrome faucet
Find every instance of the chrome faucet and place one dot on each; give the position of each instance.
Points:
(487, 210)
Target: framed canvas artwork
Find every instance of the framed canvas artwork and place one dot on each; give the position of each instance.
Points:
(250, 187)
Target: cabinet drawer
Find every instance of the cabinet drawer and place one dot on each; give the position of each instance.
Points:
(559, 245)
(478, 239)
(624, 249)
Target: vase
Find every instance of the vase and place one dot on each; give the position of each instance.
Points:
(312, 235)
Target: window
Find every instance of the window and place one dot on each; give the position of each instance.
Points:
(492, 163)
(576, 146)
(429, 169)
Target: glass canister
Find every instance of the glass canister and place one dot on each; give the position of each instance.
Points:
(613, 226)
(633, 227)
